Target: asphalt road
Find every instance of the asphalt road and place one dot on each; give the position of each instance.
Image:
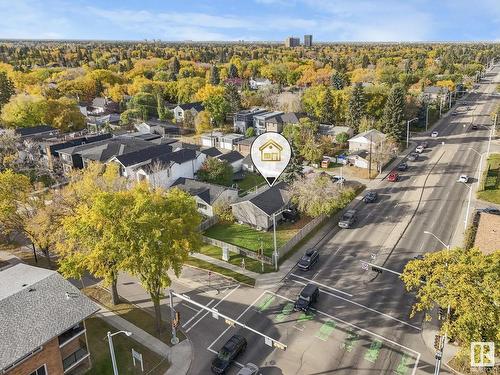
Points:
(361, 323)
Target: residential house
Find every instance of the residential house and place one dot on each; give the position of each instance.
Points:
(258, 209)
(43, 323)
(164, 169)
(76, 157)
(36, 132)
(211, 152)
(243, 120)
(258, 83)
(180, 110)
(368, 141)
(158, 127)
(206, 195)
(100, 122)
(234, 158)
(435, 93)
(247, 164)
(277, 123)
(243, 146)
(211, 139)
(260, 120)
(49, 148)
(130, 162)
(333, 131)
(360, 159)
(101, 105)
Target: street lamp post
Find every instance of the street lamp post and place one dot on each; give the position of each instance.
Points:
(112, 349)
(427, 117)
(439, 354)
(408, 131)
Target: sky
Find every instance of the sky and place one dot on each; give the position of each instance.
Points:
(252, 20)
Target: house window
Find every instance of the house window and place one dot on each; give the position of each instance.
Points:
(202, 206)
(40, 371)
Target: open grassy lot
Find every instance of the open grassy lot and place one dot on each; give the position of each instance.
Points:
(132, 313)
(249, 238)
(123, 345)
(236, 259)
(491, 183)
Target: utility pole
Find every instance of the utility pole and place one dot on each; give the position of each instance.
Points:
(427, 117)
(261, 255)
(370, 159)
(175, 339)
(275, 243)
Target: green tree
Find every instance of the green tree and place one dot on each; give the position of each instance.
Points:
(166, 234)
(393, 118)
(233, 97)
(214, 75)
(216, 171)
(130, 116)
(7, 89)
(326, 108)
(232, 71)
(175, 66)
(160, 107)
(294, 169)
(8, 148)
(342, 138)
(339, 80)
(318, 195)
(145, 103)
(357, 104)
(218, 107)
(468, 281)
(250, 132)
(202, 122)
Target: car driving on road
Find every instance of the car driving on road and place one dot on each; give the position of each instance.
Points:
(370, 197)
(231, 349)
(348, 219)
(463, 178)
(434, 134)
(393, 176)
(413, 156)
(307, 297)
(308, 259)
(402, 166)
(419, 149)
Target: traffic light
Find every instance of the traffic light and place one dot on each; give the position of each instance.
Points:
(437, 342)
(376, 269)
(441, 313)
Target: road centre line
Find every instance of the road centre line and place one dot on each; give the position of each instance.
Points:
(197, 312)
(361, 329)
(323, 285)
(217, 304)
(364, 307)
(243, 313)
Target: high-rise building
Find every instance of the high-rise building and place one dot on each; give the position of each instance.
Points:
(292, 42)
(308, 40)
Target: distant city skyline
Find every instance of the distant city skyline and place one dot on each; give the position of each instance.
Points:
(252, 20)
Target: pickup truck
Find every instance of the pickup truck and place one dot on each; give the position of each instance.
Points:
(348, 219)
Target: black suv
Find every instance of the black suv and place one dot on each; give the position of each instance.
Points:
(308, 259)
(402, 167)
(370, 197)
(234, 346)
(307, 297)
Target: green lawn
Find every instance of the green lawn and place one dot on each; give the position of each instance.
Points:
(133, 314)
(236, 259)
(491, 183)
(250, 181)
(249, 238)
(198, 263)
(101, 360)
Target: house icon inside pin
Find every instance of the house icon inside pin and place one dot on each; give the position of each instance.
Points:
(270, 151)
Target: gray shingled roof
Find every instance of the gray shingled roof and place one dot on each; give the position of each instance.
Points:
(231, 157)
(136, 157)
(34, 309)
(271, 199)
(205, 191)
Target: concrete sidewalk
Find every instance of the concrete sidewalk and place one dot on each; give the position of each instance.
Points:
(179, 356)
(223, 264)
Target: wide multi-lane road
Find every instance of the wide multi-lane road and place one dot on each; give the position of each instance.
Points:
(361, 323)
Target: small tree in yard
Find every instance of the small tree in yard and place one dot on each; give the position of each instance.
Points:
(318, 195)
(342, 138)
(224, 212)
(250, 132)
(216, 171)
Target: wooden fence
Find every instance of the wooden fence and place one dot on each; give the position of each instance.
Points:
(304, 231)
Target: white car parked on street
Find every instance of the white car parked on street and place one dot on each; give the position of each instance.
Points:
(419, 149)
(434, 134)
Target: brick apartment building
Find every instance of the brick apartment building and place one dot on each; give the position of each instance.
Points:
(43, 323)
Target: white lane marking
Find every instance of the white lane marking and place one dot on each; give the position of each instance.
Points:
(217, 304)
(235, 362)
(323, 285)
(362, 329)
(198, 312)
(317, 273)
(189, 307)
(243, 313)
(364, 307)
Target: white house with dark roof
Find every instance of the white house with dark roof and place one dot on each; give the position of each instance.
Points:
(363, 141)
(181, 109)
(257, 209)
(42, 319)
(206, 195)
(433, 93)
(258, 83)
(234, 158)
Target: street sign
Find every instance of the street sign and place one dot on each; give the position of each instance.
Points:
(364, 266)
(268, 341)
(137, 356)
(229, 322)
(225, 254)
(279, 345)
(214, 314)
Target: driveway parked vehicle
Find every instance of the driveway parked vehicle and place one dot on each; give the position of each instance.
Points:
(307, 297)
(290, 215)
(231, 349)
(348, 219)
(370, 197)
(308, 259)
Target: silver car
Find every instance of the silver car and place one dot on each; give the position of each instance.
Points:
(249, 369)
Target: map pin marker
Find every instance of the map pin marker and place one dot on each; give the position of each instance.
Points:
(270, 153)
